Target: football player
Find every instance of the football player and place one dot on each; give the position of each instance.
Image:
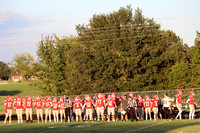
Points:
(100, 103)
(111, 107)
(55, 105)
(38, 106)
(191, 103)
(178, 103)
(140, 106)
(62, 108)
(155, 106)
(8, 104)
(47, 107)
(147, 105)
(28, 102)
(18, 104)
(167, 106)
(117, 101)
(77, 108)
(88, 103)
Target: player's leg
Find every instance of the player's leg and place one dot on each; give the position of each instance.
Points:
(61, 115)
(46, 115)
(86, 114)
(146, 113)
(41, 115)
(193, 111)
(10, 114)
(113, 114)
(102, 112)
(37, 113)
(108, 113)
(6, 116)
(149, 112)
(98, 114)
(90, 114)
(80, 113)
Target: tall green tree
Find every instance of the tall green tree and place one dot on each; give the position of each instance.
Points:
(52, 53)
(23, 63)
(123, 51)
(4, 71)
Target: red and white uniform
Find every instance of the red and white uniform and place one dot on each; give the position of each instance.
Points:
(191, 100)
(178, 99)
(19, 103)
(100, 102)
(147, 103)
(55, 105)
(47, 103)
(77, 104)
(155, 103)
(110, 103)
(62, 107)
(140, 103)
(28, 103)
(8, 104)
(38, 104)
(88, 104)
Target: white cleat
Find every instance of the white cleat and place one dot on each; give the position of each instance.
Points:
(4, 122)
(9, 121)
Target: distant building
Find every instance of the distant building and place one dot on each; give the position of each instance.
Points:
(16, 77)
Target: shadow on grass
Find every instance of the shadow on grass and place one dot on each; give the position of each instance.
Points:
(12, 93)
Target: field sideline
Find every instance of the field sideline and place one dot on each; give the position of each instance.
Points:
(184, 126)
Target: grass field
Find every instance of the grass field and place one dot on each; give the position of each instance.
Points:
(22, 89)
(184, 126)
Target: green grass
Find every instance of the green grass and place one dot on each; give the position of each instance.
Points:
(22, 89)
(184, 126)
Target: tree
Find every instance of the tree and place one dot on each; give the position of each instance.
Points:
(23, 63)
(119, 51)
(126, 52)
(4, 71)
(52, 53)
(185, 74)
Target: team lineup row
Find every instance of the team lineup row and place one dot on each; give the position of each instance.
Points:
(106, 107)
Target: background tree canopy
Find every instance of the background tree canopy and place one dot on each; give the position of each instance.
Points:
(118, 51)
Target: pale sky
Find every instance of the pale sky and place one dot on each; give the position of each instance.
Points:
(22, 22)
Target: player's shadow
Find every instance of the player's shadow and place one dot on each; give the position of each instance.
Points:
(12, 93)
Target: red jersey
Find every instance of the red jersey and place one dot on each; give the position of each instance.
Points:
(62, 105)
(178, 99)
(47, 103)
(8, 104)
(19, 103)
(77, 104)
(155, 103)
(88, 104)
(147, 103)
(110, 103)
(28, 103)
(100, 102)
(191, 102)
(140, 103)
(55, 105)
(38, 104)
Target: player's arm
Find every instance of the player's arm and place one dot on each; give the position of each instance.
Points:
(121, 106)
(115, 104)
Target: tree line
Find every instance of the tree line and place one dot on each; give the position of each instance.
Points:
(118, 51)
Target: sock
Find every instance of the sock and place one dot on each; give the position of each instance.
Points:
(146, 117)
(76, 118)
(154, 117)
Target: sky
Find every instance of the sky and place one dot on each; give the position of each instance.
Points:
(23, 22)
